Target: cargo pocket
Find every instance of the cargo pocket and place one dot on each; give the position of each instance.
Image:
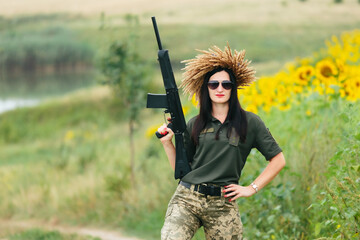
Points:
(207, 130)
(237, 226)
(169, 211)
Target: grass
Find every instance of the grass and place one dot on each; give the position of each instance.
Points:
(38, 234)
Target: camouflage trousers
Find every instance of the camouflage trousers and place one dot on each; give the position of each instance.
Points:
(188, 210)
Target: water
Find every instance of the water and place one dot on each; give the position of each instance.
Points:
(23, 90)
(10, 104)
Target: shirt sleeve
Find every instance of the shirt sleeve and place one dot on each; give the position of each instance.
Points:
(265, 142)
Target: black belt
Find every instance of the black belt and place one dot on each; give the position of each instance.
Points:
(208, 190)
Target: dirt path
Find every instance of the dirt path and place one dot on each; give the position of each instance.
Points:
(83, 231)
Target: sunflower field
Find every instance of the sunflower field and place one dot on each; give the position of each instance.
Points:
(331, 72)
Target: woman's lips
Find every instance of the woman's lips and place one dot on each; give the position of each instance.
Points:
(219, 95)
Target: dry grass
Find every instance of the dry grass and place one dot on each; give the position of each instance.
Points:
(200, 11)
(94, 94)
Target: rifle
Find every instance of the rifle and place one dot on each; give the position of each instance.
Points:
(171, 102)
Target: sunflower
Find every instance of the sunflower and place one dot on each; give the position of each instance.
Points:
(303, 74)
(351, 89)
(326, 71)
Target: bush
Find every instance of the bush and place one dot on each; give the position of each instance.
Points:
(337, 209)
(54, 47)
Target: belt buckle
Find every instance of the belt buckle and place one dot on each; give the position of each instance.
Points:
(207, 190)
(201, 188)
(212, 190)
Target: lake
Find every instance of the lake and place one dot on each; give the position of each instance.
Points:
(29, 89)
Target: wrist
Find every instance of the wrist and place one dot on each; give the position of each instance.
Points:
(166, 142)
(255, 187)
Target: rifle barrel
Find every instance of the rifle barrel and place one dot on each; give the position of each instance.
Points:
(156, 33)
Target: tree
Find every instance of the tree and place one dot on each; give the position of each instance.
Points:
(127, 74)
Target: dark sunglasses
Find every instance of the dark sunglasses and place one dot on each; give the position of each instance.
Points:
(215, 84)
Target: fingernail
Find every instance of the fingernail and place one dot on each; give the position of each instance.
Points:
(229, 200)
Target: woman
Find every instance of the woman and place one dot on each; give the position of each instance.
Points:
(218, 142)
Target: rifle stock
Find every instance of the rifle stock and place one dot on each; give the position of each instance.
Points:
(172, 104)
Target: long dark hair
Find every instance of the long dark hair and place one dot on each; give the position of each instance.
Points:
(236, 115)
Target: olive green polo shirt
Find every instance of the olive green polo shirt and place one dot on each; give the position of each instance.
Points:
(221, 161)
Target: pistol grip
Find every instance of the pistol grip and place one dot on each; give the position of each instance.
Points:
(159, 135)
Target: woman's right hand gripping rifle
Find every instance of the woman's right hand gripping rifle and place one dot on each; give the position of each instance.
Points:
(166, 132)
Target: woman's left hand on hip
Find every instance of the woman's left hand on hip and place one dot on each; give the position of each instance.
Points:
(235, 191)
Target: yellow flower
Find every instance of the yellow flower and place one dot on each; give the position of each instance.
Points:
(303, 74)
(338, 226)
(88, 135)
(186, 110)
(267, 108)
(319, 89)
(69, 136)
(151, 131)
(273, 237)
(308, 113)
(290, 66)
(329, 91)
(326, 71)
(305, 61)
(342, 93)
(340, 65)
(252, 108)
(285, 107)
(194, 101)
(298, 89)
(351, 88)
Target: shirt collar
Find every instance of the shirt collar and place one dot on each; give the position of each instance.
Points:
(213, 119)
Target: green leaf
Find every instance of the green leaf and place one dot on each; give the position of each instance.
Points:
(334, 209)
(309, 207)
(356, 168)
(317, 229)
(278, 208)
(349, 213)
(270, 219)
(344, 117)
(357, 136)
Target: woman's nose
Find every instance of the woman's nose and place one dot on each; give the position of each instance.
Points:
(220, 88)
